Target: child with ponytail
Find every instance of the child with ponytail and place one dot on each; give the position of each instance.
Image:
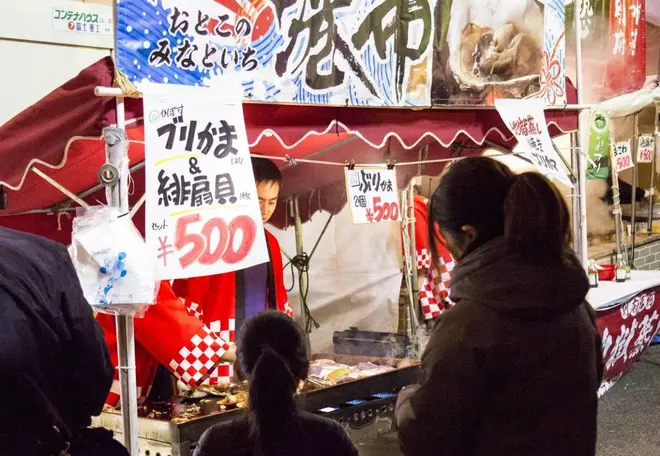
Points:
(271, 352)
(514, 367)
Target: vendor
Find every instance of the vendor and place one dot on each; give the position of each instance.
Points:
(190, 333)
(224, 301)
(433, 281)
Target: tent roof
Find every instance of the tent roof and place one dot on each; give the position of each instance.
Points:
(62, 135)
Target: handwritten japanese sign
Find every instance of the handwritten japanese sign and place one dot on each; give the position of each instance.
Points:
(626, 331)
(202, 212)
(622, 156)
(372, 195)
(645, 149)
(526, 121)
(79, 21)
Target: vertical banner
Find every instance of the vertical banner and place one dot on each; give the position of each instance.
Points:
(553, 72)
(202, 213)
(372, 195)
(526, 120)
(599, 146)
(626, 71)
(622, 156)
(645, 149)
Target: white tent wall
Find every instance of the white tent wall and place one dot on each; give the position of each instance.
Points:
(354, 275)
(44, 54)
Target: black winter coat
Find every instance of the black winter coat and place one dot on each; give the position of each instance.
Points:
(55, 370)
(512, 369)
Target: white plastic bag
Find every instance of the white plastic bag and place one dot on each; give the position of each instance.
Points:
(111, 260)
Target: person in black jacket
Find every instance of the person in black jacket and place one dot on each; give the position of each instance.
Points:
(271, 351)
(56, 370)
(514, 367)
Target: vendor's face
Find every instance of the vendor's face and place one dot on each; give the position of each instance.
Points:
(268, 191)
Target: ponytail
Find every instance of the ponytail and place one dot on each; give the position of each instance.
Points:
(271, 396)
(536, 219)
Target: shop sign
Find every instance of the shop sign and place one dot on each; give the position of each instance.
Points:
(202, 210)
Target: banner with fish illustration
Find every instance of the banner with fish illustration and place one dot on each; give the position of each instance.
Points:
(348, 52)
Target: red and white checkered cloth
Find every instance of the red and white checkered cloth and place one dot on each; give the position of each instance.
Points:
(434, 290)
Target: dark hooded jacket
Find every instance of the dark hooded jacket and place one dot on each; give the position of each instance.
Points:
(513, 368)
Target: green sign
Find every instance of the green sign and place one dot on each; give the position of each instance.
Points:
(599, 146)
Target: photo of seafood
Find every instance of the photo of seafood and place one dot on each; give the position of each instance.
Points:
(486, 49)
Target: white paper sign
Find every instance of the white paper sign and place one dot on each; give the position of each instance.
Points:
(645, 149)
(372, 195)
(526, 121)
(622, 156)
(202, 212)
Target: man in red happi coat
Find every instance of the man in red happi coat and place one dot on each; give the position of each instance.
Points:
(190, 331)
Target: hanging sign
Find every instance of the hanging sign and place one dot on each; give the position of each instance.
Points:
(372, 195)
(622, 156)
(202, 212)
(526, 121)
(599, 146)
(645, 149)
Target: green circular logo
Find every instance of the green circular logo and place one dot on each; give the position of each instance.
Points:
(154, 116)
(600, 122)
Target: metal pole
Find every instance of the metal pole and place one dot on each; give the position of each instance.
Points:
(118, 197)
(575, 197)
(302, 278)
(616, 201)
(414, 282)
(583, 128)
(656, 150)
(633, 215)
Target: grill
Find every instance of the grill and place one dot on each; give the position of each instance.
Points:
(364, 407)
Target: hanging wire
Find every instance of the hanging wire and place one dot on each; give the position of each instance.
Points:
(301, 263)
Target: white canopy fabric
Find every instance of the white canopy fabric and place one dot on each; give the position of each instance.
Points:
(631, 103)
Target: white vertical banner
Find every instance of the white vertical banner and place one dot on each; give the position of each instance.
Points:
(372, 194)
(622, 156)
(526, 120)
(202, 211)
(645, 149)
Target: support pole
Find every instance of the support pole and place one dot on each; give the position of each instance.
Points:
(656, 146)
(118, 197)
(302, 278)
(583, 128)
(633, 203)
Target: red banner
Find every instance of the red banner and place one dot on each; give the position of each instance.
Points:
(626, 68)
(626, 331)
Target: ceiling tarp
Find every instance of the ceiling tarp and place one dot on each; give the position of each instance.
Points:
(61, 134)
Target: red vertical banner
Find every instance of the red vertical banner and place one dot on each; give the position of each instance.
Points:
(626, 69)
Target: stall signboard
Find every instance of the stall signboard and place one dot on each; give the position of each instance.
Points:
(202, 211)
(526, 121)
(626, 331)
(599, 146)
(645, 149)
(622, 158)
(372, 194)
(348, 52)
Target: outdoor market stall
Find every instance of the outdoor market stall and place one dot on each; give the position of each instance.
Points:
(68, 155)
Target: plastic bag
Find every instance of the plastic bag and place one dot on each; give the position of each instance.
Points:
(111, 259)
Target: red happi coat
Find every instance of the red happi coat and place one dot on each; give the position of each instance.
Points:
(434, 290)
(188, 331)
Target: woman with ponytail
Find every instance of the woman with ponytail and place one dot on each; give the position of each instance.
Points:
(514, 367)
(271, 352)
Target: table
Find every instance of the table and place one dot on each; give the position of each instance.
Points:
(628, 317)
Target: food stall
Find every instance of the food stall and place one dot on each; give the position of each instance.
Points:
(74, 150)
